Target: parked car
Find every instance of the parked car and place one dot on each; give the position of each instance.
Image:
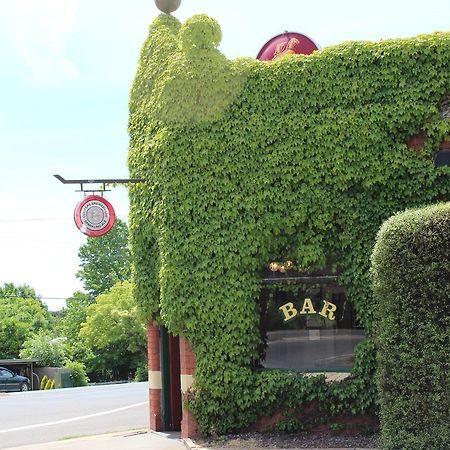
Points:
(9, 381)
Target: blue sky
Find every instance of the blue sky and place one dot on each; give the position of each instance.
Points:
(65, 73)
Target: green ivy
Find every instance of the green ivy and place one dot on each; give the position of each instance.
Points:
(248, 162)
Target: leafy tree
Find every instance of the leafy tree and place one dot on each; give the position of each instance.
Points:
(47, 349)
(30, 311)
(74, 315)
(21, 314)
(115, 332)
(69, 325)
(105, 260)
(12, 335)
(21, 291)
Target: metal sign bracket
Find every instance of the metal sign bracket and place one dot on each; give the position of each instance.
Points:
(102, 182)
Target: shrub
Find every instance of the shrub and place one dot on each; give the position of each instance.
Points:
(48, 350)
(43, 382)
(289, 425)
(79, 376)
(141, 372)
(48, 384)
(411, 273)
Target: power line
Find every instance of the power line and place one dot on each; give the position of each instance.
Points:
(34, 298)
(123, 216)
(37, 219)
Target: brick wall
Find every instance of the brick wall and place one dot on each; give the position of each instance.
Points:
(189, 427)
(154, 378)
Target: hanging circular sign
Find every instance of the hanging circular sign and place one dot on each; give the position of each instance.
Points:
(94, 216)
(285, 44)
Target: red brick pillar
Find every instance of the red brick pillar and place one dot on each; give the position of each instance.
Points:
(154, 377)
(189, 428)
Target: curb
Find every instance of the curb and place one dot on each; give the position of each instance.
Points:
(191, 445)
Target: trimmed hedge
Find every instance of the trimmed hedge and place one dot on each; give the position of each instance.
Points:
(411, 272)
(248, 162)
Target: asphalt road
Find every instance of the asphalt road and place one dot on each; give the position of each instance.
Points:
(44, 416)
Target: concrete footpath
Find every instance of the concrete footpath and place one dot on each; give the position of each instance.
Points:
(129, 440)
(135, 440)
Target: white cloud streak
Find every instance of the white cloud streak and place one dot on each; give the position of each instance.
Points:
(39, 30)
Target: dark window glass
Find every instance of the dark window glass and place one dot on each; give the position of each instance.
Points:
(442, 158)
(320, 333)
(6, 374)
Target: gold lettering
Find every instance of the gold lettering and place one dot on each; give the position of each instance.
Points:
(308, 307)
(289, 311)
(328, 310)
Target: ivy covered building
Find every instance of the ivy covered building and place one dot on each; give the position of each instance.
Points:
(266, 184)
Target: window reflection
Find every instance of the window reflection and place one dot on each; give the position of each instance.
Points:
(308, 342)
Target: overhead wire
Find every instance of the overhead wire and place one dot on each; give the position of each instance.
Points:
(36, 298)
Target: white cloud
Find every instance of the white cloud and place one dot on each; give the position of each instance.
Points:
(39, 30)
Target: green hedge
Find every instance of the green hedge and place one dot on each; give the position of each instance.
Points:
(78, 374)
(411, 270)
(248, 162)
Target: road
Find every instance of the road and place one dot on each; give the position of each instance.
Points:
(45, 416)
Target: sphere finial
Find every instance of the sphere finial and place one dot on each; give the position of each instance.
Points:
(167, 6)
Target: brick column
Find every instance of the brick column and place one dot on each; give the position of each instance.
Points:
(189, 428)
(154, 377)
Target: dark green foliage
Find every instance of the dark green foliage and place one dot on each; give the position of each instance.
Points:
(411, 271)
(22, 313)
(105, 260)
(19, 291)
(141, 372)
(79, 376)
(115, 334)
(270, 391)
(289, 425)
(13, 333)
(72, 318)
(249, 162)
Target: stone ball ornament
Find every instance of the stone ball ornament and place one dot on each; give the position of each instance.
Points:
(167, 6)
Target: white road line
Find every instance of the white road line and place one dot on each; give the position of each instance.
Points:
(73, 419)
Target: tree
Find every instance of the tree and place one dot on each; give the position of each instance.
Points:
(105, 260)
(22, 313)
(13, 333)
(74, 315)
(20, 291)
(69, 324)
(115, 332)
(47, 349)
(30, 311)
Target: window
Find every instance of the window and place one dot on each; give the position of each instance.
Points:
(5, 373)
(308, 328)
(442, 158)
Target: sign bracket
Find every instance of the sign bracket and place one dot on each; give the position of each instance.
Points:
(102, 182)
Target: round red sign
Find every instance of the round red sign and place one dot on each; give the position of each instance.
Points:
(94, 216)
(285, 44)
